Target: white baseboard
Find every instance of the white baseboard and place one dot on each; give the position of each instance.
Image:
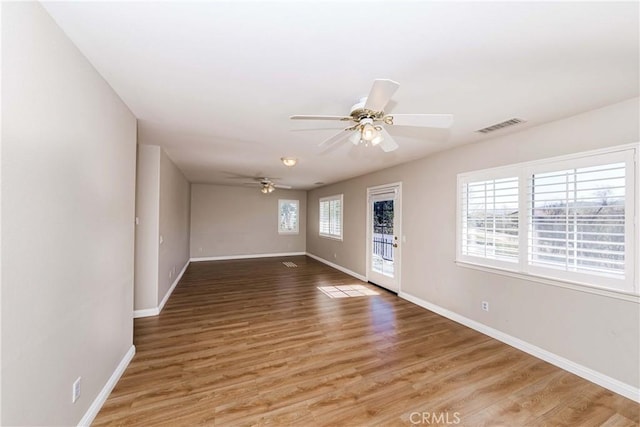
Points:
(97, 403)
(338, 267)
(228, 257)
(147, 312)
(589, 374)
(173, 286)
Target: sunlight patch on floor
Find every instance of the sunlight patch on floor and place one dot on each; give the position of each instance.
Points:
(347, 291)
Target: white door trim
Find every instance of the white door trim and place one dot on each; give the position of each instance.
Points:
(397, 212)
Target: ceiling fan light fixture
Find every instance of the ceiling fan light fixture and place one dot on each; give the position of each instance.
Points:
(377, 139)
(369, 132)
(356, 137)
(267, 187)
(289, 161)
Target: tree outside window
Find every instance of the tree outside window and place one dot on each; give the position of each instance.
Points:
(288, 216)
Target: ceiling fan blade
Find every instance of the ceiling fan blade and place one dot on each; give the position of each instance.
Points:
(303, 117)
(335, 138)
(422, 120)
(387, 144)
(380, 94)
(284, 187)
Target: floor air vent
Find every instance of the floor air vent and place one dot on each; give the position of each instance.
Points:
(501, 125)
(290, 264)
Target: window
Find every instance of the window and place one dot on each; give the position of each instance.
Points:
(569, 219)
(288, 216)
(331, 217)
(490, 225)
(577, 219)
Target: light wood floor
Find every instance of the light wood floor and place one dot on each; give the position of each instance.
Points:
(256, 343)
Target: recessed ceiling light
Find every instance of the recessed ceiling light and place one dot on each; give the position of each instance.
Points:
(289, 161)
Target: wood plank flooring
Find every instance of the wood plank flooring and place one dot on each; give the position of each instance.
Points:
(253, 342)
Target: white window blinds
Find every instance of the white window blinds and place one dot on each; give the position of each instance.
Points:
(568, 218)
(577, 219)
(490, 219)
(331, 216)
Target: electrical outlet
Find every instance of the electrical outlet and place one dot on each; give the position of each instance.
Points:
(485, 305)
(335, 256)
(75, 390)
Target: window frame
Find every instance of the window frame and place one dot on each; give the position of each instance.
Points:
(281, 202)
(336, 197)
(629, 253)
(484, 175)
(598, 283)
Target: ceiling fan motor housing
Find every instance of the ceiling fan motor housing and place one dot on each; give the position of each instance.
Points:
(358, 112)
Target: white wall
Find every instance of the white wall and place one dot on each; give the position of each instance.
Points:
(598, 332)
(68, 173)
(234, 221)
(163, 202)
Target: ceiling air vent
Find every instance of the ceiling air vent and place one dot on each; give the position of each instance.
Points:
(501, 125)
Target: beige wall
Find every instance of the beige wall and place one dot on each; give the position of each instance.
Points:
(148, 218)
(228, 221)
(175, 212)
(595, 331)
(163, 202)
(68, 174)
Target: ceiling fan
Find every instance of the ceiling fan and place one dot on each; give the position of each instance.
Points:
(267, 185)
(370, 118)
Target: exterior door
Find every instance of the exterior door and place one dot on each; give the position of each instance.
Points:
(383, 236)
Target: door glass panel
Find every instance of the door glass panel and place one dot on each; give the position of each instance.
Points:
(383, 237)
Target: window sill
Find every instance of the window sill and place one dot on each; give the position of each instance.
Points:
(582, 287)
(288, 232)
(329, 236)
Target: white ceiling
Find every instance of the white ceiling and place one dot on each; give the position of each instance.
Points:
(214, 83)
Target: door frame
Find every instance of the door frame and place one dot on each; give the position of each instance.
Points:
(397, 225)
